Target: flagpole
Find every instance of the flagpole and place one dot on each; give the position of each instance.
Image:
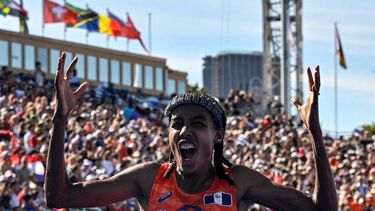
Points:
(149, 33)
(21, 16)
(335, 65)
(22, 20)
(65, 28)
(44, 15)
(127, 39)
(127, 44)
(87, 31)
(109, 27)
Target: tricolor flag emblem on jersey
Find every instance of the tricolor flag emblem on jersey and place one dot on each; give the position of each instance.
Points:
(218, 198)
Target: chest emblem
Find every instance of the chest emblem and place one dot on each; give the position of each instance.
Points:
(218, 198)
(166, 195)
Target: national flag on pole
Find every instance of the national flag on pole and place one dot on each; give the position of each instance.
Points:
(23, 25)
(125, 29)
(54, 13)
(132, 33)
(10, 7)
(105, 25)
(339, 50)
(86, 19)
(4, 7)
(116, 24)
(23, 18)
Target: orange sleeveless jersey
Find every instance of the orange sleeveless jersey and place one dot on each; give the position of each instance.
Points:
(167, 196)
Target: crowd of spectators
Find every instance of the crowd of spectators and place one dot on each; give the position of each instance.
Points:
(108, 134)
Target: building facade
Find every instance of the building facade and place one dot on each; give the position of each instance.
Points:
(238, 71)
(125, 70)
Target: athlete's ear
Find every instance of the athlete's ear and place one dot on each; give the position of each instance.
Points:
(219, 135)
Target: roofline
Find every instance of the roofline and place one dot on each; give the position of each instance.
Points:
(70, 44)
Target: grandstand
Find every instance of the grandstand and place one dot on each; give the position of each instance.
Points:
(106, 137)
(128, 71)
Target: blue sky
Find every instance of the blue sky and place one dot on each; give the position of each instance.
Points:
(185, 31)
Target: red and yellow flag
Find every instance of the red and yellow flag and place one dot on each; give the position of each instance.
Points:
(339, 50)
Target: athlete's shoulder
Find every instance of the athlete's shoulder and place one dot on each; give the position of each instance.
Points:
(140, 172)
(243, 174)
(246, 179)
(151, 167)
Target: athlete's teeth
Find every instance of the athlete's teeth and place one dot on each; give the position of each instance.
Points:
(187, 146)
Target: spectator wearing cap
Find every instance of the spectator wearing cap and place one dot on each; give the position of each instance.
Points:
(133, 144)
(85, 168)
(121, 148)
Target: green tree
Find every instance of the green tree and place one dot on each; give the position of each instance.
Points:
(370, 128)
(196, 89)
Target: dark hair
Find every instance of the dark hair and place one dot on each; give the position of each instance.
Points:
(211, 104)
(218, 115)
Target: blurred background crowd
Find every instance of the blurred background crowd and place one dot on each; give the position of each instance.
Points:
(110, 131)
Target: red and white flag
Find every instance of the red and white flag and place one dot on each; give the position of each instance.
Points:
(54, 13)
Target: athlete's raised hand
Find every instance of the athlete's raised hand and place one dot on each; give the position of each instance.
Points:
(66, 98)
(309, 112)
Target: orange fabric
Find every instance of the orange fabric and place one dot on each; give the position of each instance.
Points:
(166, 195)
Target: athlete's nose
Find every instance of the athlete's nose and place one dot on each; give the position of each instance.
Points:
(185, 132)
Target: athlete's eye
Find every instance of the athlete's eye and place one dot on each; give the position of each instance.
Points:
(198, 124)
(177, 125)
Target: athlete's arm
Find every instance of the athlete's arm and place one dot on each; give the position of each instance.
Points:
(261, 190)
(254, 187)
(324, 195)
(60, 192)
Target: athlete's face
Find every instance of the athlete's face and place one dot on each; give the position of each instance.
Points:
(192, 135)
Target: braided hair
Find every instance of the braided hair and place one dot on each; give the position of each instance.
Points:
(219, 117)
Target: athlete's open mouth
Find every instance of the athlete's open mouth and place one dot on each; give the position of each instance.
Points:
(187, 149)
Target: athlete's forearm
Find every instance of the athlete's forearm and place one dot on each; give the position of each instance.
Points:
(56, 178)
(325, 191)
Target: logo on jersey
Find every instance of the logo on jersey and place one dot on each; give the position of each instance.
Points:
(166, 195)
(218, 198)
